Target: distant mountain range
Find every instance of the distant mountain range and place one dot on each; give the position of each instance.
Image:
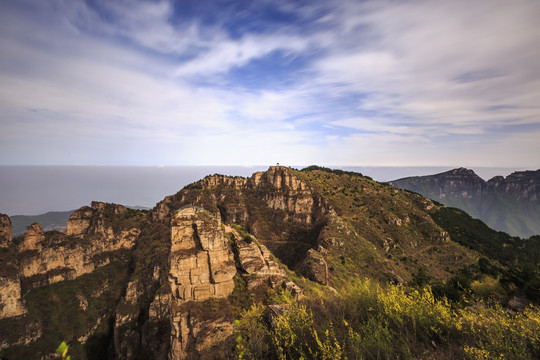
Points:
(53, 220)
(510, 204)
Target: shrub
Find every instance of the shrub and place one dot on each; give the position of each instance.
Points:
(369, 321)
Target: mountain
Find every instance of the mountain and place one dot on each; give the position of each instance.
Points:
(510, 204)
(316, 263)
(53, 220)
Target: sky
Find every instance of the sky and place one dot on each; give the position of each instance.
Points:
(341, 83)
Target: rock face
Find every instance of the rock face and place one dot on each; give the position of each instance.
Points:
(201, 262)
(10, 297)
(52, 257)
(276, 194)
(33, 238)
(510, 204)
(457, 183)
(520, 185)
(10, 286)
(201, 266)
(5, 230)
(92, 220)
(45, 258)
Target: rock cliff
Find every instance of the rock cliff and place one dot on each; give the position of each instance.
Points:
(520, 185)
(48, 257)
(10, 286)
(275, 205)
(201, 261)
(205, 257)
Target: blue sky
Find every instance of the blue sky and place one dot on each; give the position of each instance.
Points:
(365, 83)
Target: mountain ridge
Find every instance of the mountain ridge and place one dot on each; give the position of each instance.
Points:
(510, 204)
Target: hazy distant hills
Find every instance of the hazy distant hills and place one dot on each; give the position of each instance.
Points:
(53, 220)
(510, 204)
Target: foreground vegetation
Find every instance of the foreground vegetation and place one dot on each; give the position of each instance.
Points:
(373, 322)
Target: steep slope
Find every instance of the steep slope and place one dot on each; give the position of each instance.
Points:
(508, 204)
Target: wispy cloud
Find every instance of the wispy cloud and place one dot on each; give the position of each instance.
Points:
(360, 83)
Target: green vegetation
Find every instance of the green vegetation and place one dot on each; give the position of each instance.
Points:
(68, 310)
(193, 186)
(62, 350)
(332, 171)
(373, 322)
(519, 256)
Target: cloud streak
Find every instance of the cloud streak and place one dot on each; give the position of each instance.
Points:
(346, 83)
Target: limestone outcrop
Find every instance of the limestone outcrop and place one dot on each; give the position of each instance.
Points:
(47, 257)
(205, 256)
(10, 286)
(255, 258)
(201, 261)
(520, 185)
(51, 257)
(10, 297)
(278, 194)
(33, 238)
(93, 220)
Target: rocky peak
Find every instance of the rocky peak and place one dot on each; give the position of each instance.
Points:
(461, 182)
(278, 177)
(102, 207)
(5, 230)
(522, 185)
(213, 181)
(456, 183)
(462, 171)
(91, 220)
(33, 238)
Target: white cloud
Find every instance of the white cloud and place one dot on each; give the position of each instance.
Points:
(416, 50)
(383, 82)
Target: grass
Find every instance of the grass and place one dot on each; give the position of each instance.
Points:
(58, 310)
(369, 321)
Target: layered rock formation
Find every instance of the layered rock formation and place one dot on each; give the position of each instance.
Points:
(274, 205)
(33, 238)
(10, 286)
(201, 262)
(204, 258)
(10, 297)
(71, 255)
(45, 258)
(520, 185)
